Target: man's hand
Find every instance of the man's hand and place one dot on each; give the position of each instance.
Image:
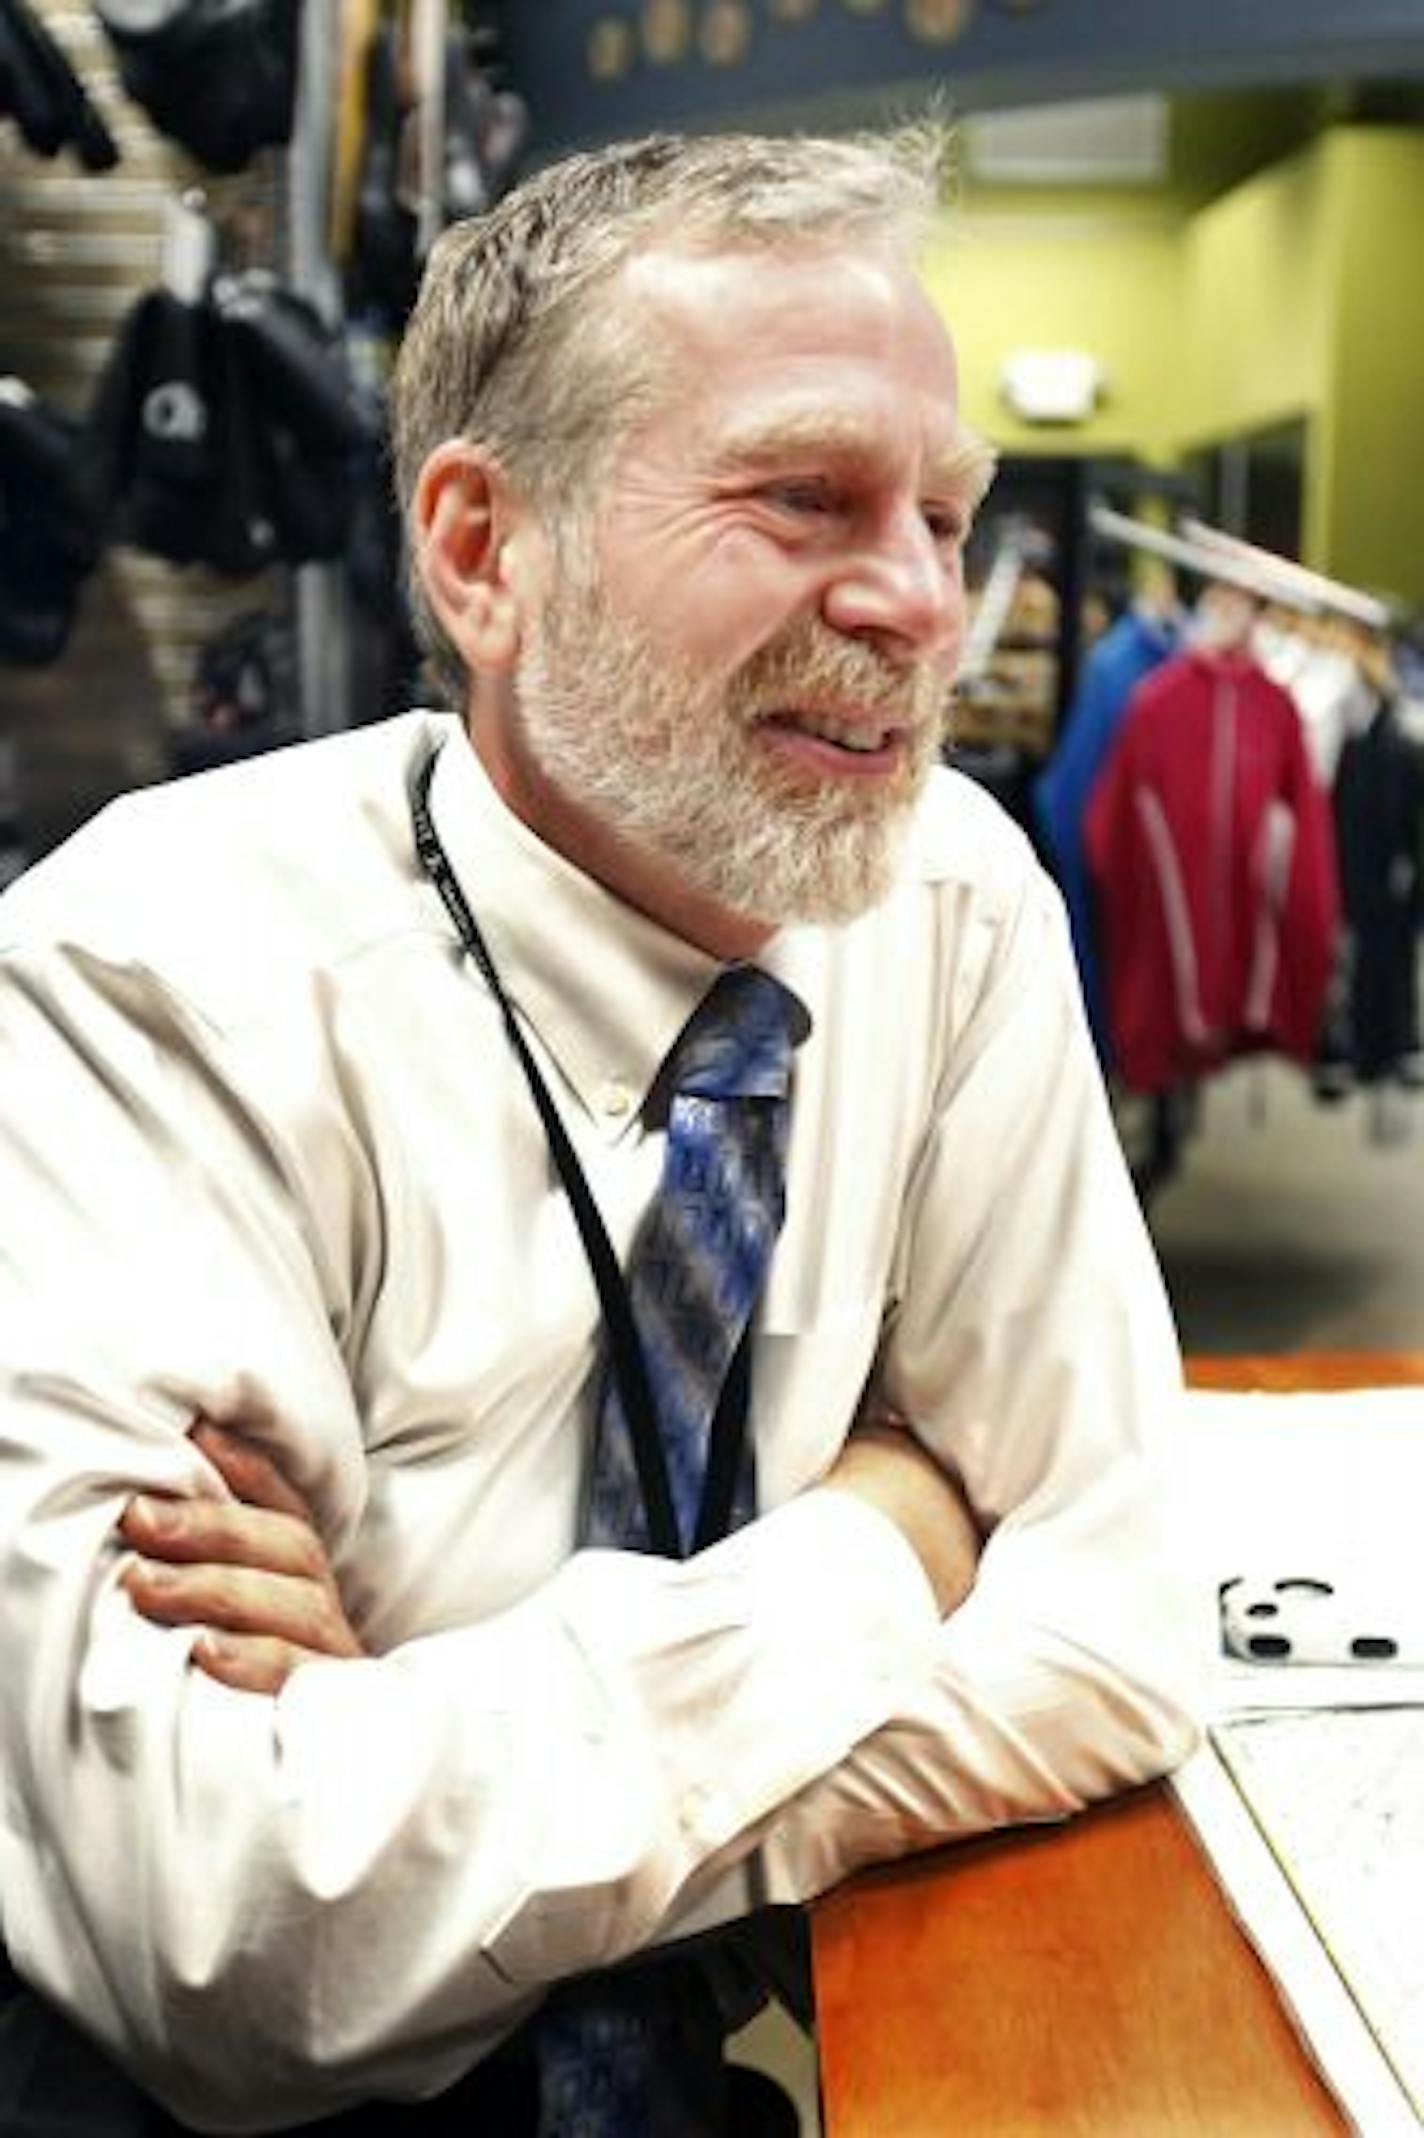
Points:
(254, 1573)
(251, 1571)
(883, 1463)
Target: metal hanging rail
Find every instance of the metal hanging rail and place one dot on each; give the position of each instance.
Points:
(1329, 593)
(1224, 558)
(995, 602)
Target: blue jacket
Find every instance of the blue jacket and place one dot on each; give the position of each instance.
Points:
(1127, 652)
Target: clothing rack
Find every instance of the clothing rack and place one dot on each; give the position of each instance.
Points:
(997, 599)
(1020, 547)
(1329, 594)
(1212, 554)
(429, 27)
(320, 597)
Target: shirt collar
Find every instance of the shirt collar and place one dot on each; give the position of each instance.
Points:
(606, 989)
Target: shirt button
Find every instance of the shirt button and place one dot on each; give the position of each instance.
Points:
(615, 1100)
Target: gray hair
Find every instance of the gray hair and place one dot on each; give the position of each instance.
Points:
(512, 345)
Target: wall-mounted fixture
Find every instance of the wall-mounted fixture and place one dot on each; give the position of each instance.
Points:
(1051, 385)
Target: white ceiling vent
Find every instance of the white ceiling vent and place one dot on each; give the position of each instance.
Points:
(1096, 141)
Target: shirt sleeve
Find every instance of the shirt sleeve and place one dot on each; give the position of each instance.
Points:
(1031, 1344)
(270, 1908)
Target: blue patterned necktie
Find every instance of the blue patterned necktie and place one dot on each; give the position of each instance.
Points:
(700, 1259)
(695, 1274)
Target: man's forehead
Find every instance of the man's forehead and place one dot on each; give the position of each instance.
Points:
(794, 350)
(705, 284)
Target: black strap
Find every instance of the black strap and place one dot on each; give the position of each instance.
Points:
(630, 1370)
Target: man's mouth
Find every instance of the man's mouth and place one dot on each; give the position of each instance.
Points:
(857, 734)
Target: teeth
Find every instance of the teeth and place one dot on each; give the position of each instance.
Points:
(846, 734)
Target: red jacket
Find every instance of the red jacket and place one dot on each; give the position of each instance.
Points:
(1212, 852)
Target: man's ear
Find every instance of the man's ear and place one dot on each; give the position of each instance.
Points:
(470, 528)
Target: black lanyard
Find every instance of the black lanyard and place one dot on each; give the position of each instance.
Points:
(627, 1361)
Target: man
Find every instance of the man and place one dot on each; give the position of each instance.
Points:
(688, 494)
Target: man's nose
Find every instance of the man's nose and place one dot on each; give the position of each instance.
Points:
(901, 587)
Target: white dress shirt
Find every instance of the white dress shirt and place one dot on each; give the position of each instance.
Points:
(268, 1154)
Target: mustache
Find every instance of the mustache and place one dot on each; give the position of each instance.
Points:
(808, 663)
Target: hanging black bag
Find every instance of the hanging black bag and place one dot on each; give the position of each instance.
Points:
(218, 76)
(49, 532)
(41, 92)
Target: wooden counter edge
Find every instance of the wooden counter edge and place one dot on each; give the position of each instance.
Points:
(862, 1932)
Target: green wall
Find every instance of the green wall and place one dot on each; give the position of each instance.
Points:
(1258, 271)
(1258, 320)
(1297, 294)
(1076, 276)
(1373, 503)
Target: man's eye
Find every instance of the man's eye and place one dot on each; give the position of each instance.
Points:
(802, 497)
(947, 524)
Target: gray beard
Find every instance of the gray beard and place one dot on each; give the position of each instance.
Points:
(665, 760)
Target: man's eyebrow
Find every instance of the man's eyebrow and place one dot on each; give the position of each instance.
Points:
(778, 438)
(966, 468)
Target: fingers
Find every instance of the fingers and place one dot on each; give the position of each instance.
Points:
(252, 1476)
(249, 1663)
(222, 1531)
(284, 1607)
(251, 1570)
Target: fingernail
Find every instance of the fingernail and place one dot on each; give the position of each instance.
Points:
(218, 1645)
(155, 1514)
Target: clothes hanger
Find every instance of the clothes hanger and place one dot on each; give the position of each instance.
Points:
(1224, 617)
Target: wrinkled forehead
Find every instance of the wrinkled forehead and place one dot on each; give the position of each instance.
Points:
(767, 353)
